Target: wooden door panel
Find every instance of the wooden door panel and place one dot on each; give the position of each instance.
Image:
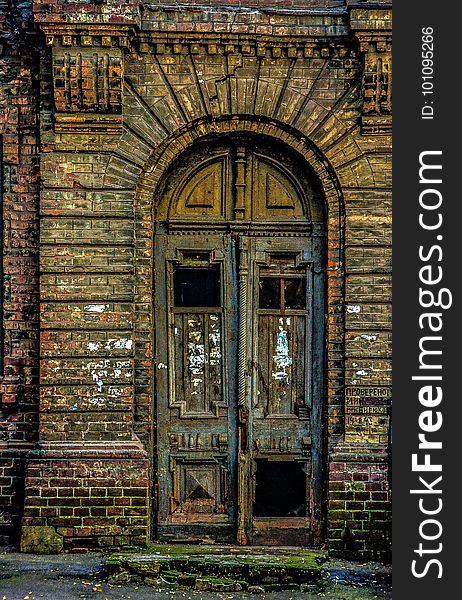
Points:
(286, 348)
(199, 490)
(276, 195)
(281, 366)
(197, 357)
(195, 394)
(203, 187)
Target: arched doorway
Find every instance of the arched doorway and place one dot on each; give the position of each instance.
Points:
(239, 342)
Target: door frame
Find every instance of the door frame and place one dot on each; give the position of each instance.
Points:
(240, 389)
(334, 257)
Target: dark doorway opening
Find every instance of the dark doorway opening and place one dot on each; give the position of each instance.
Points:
(280, 489)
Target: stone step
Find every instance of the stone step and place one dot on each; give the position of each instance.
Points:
(217, 568)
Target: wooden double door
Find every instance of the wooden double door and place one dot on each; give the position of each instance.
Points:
(239, 330)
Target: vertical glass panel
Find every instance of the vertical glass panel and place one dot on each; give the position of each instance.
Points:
(295, 293)
(270, 292)
(196, 286)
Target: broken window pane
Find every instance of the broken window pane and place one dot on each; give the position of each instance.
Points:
(295, 293)
(270, 292)
(196, 287)
(291, 296)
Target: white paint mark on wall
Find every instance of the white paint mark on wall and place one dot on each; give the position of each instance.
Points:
(98, 308)
(105, 368)
(121, 343)
(353, 308)
(364, 336)
(122, 364)
(97, 402)
(97, 379)
(115, 391)
(111, 344)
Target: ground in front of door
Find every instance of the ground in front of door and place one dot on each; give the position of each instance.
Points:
(78, 577)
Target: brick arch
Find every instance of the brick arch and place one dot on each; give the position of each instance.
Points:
(179, 98)
(145, 199)
(173, 146)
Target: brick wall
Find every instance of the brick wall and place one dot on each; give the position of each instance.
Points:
(359, 519)
(86, 498)
(121, 98)
(19, 60)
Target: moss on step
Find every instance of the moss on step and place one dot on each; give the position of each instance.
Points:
(219, 568)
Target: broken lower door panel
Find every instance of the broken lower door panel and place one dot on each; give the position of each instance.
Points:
(195, 393)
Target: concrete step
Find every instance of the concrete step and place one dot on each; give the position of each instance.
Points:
(217, 568)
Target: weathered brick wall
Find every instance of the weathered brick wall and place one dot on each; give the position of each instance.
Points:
(19, 59)
(91, 499)
(122, 97)
(359, 504)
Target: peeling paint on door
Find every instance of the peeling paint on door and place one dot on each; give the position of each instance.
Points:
(281, 359)
(198, 358)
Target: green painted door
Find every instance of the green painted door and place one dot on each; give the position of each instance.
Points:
(239, 337)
